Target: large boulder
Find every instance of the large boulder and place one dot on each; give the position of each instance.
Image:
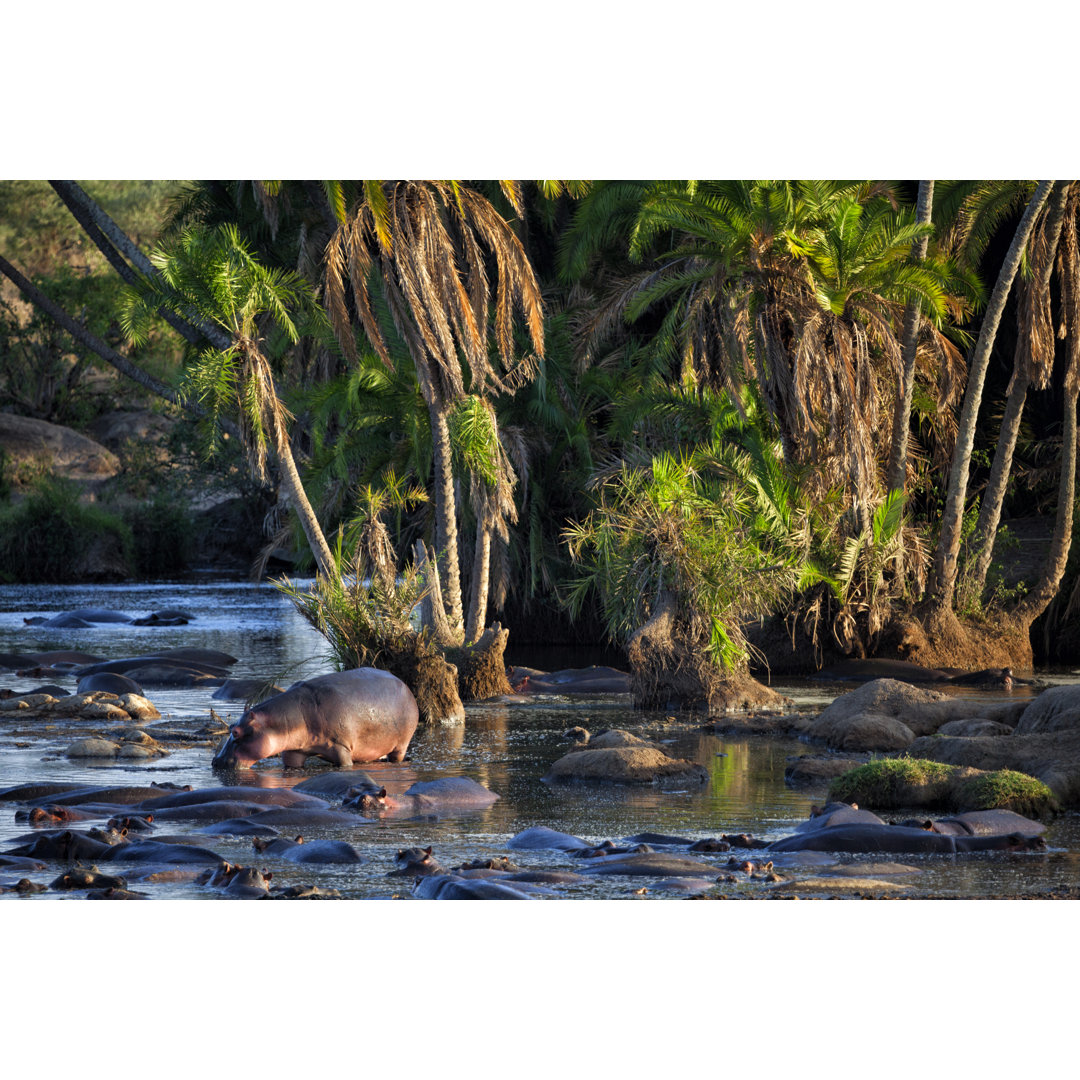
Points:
(62, 451)
(887, 715)
(1056, 709)
(910, 782)
(625, 765)
(118, 428)
(1052, 757)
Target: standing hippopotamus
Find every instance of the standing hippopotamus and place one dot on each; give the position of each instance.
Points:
(346, 716)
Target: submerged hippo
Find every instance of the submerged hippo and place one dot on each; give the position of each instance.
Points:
(360, 715)
(310, 851)
(904, 671)
(902, 840)
(108, 682)
(455, 793)
(79, 619)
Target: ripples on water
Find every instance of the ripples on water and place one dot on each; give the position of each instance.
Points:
(506, 747)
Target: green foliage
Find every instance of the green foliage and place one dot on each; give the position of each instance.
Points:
(673, 527)
(892, 783)
(44, 537)
(161, 536)
(38, 232)
(44, 372)
(364, 620)
(1006, 789)
(888, 782)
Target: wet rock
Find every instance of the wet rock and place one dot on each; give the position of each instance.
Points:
(886, 715)
(92, 748)
(974, 727)
(138, 707)
(1052, 757)
(130, 745)
(616, 737)
(811, 770)
(625, 765)
(1056, 709)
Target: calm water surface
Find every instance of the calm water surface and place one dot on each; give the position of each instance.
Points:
(506, 747)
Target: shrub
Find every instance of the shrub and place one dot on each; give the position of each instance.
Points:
(161, 536)
(51, 537)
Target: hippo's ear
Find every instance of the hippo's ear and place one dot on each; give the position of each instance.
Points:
(299, 840)
(149, 818)
(382, 793)
(427, 852)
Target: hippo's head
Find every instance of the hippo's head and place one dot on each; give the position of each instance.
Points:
(249, 740)
(369, 802)
(1020, 842)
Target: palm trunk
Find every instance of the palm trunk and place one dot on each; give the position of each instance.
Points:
(481, 576)
(994, 496)
(1037, 601)
(97, 346)
(290, 478)
(948, 548)
(909, 349)
(114, 242)
(446, 518)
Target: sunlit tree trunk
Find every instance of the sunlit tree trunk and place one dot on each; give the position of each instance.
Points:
(943, 586)
(446, 533)
(994, 496)
(302, 507)
(481, 576)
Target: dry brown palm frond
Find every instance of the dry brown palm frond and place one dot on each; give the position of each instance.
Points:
(267, 203)
(1035, 331)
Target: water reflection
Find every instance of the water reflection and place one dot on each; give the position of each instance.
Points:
(509, 748)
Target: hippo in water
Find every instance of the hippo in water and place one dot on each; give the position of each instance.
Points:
(904, 671)
(360, 715)
(454, 793)
(108, 682)
(902, 840)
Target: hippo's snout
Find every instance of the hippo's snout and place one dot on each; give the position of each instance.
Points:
(225, 756)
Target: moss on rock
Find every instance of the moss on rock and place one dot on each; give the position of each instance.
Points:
(895, 783)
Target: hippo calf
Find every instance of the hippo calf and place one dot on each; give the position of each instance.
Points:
(360, 715)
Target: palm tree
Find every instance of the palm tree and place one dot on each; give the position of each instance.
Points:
(945, 556)
(427, 246)
(796, 287)
(1033, 361)
(897, 475)
(213, 274)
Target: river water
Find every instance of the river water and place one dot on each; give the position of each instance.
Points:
(507, 747)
